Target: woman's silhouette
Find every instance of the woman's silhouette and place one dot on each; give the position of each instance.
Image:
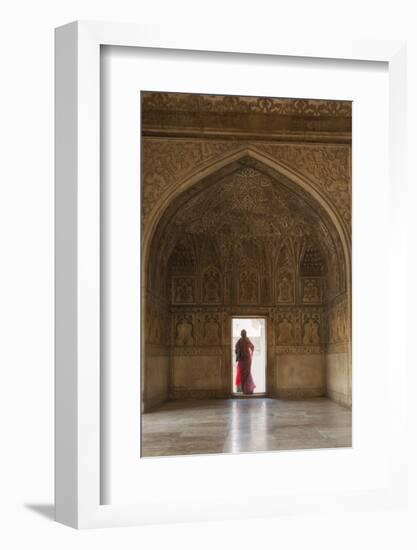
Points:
(244, 351)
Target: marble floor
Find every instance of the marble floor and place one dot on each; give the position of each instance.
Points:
(245, 425)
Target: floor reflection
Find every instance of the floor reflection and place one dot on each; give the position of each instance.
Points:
(244, 425)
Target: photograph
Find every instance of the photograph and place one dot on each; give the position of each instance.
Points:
(246, 274)
(198, 349)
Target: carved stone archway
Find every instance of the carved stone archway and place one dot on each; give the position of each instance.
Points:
(212, 166)
(215, 168)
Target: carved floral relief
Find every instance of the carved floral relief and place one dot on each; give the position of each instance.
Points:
(285, 329)
(211, 286)
(311, 291)
(249, 287)
(211, 330)
(311, 329)
(183, 290)
(184, 331)
(285, 288)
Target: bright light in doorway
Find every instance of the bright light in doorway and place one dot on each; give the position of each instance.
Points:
(255, 329)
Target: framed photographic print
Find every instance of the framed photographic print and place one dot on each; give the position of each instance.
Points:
(218, 275)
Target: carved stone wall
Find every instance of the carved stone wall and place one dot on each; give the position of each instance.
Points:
(156, 380)
(246, 239)
(338, 352)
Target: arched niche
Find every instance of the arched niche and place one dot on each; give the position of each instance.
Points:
(224, 164)
(179, 202)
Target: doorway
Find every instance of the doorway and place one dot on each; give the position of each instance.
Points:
(256, 331)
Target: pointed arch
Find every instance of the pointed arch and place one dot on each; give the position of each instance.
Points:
(209, 168)
(178, 192)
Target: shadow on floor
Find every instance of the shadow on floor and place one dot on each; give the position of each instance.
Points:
(45, 510)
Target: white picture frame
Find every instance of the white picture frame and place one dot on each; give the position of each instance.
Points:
(78, 404)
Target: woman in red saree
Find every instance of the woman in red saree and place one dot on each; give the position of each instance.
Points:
(244, 351)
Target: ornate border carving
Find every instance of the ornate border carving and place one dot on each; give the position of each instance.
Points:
(300, 393)
(157, 101)
(201, 350)
(299, 350)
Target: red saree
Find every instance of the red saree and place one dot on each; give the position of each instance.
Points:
(244, 351)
